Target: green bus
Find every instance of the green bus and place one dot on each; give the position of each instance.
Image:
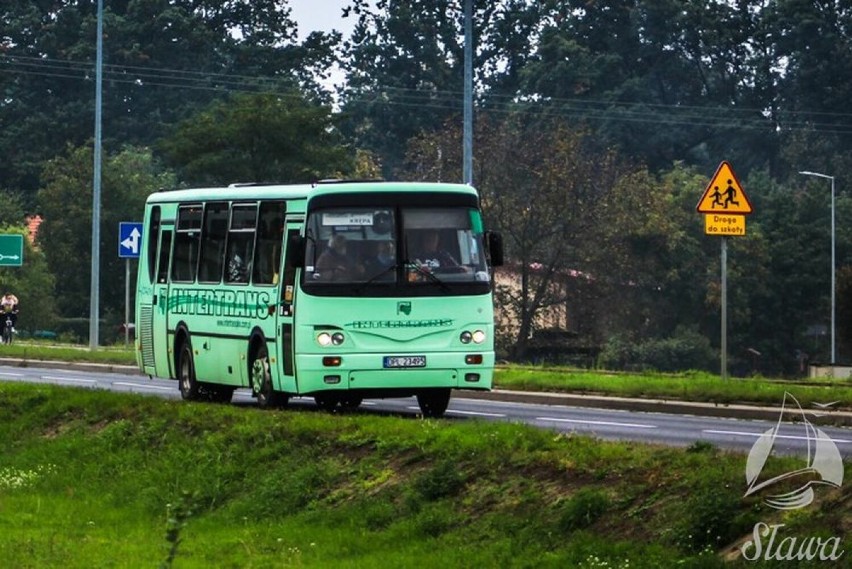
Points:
(336, 290)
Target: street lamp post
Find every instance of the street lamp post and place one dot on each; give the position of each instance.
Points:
(833, 344)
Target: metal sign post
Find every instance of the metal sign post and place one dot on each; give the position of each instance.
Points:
(724, 346)
(725, 206)
(126, 302)
(129, 244)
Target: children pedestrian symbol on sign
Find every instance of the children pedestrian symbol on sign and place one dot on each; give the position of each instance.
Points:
(717, 197)
(730, 194)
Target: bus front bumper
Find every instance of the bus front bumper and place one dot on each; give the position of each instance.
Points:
(322, 372)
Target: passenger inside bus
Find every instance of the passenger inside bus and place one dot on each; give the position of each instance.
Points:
(335, 264)
(380, 261)
(238, 263)
(383, 258)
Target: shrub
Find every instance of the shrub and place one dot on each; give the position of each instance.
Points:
(686, 349)
(583, 509)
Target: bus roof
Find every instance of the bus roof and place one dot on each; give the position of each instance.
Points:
(301, 191)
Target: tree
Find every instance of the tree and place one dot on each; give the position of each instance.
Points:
(258, 138)
(14, 208)
(549, 190)
(65, 235)
(405, 66)
(32, 283)
(163, 60)
(844, 313)
(813, 44)
(662, 81)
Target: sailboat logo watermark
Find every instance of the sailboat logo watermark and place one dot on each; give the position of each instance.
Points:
(824, 465)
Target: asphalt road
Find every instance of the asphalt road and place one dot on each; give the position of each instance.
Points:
(677, 428)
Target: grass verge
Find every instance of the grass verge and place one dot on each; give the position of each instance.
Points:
(32, 350)
(688, 386)
(99, 479)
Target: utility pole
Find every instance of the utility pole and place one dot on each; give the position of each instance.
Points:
(94, 294)
(468, 92)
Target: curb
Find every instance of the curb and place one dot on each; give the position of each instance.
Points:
(732, 410)
(729, 410)
(80, 366)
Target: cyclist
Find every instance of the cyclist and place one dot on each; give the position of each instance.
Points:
(9, 306)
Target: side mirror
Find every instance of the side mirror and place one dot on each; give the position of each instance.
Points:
(296, 250)
(495, 248)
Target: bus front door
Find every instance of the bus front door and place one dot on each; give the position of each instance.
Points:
(286, 311)
(160, 300)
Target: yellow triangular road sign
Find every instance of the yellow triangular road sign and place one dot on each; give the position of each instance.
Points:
(724, 194)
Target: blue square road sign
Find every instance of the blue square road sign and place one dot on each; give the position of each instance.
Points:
(129, 239)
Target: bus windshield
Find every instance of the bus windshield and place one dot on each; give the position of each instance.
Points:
(404, 247)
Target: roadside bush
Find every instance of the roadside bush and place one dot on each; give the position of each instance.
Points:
(583, 509)
(442, 481)
(714, 518)
(686, 349)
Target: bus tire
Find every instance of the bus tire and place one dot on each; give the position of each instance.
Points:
(261, 382)
(433, 402)
(190, 390)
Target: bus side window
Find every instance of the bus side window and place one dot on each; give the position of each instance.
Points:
(153, 234)
(213, 243)
(241, 242)
(270, 236)
(165, 250)
(185, 256)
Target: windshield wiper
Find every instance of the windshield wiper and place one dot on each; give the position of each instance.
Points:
(360, 288)
(429, 275)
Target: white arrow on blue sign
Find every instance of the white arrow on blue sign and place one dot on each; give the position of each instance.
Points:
(129, 239)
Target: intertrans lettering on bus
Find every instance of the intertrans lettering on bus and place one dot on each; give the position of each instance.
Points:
(212, 302)
(336, 291)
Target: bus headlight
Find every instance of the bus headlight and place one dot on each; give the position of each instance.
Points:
(337, 338)
(477, 337)
(324, 339)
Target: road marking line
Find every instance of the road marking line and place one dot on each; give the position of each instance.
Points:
(12, 374)
(755, 435)
(602, 423)
(144, 386)
(69, 379)
(475, 413)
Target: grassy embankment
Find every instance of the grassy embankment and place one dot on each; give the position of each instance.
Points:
(690, 386)
(99, 479)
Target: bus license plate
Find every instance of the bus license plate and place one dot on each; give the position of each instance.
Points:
(405, 361)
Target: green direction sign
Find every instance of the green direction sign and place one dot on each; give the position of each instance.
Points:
(11, 250)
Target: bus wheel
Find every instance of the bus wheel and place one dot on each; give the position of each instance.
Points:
(350, 402)
(261, 382)
(433, 403)
(190, 390)
(327, 401)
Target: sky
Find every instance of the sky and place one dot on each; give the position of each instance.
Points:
(322, 15)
